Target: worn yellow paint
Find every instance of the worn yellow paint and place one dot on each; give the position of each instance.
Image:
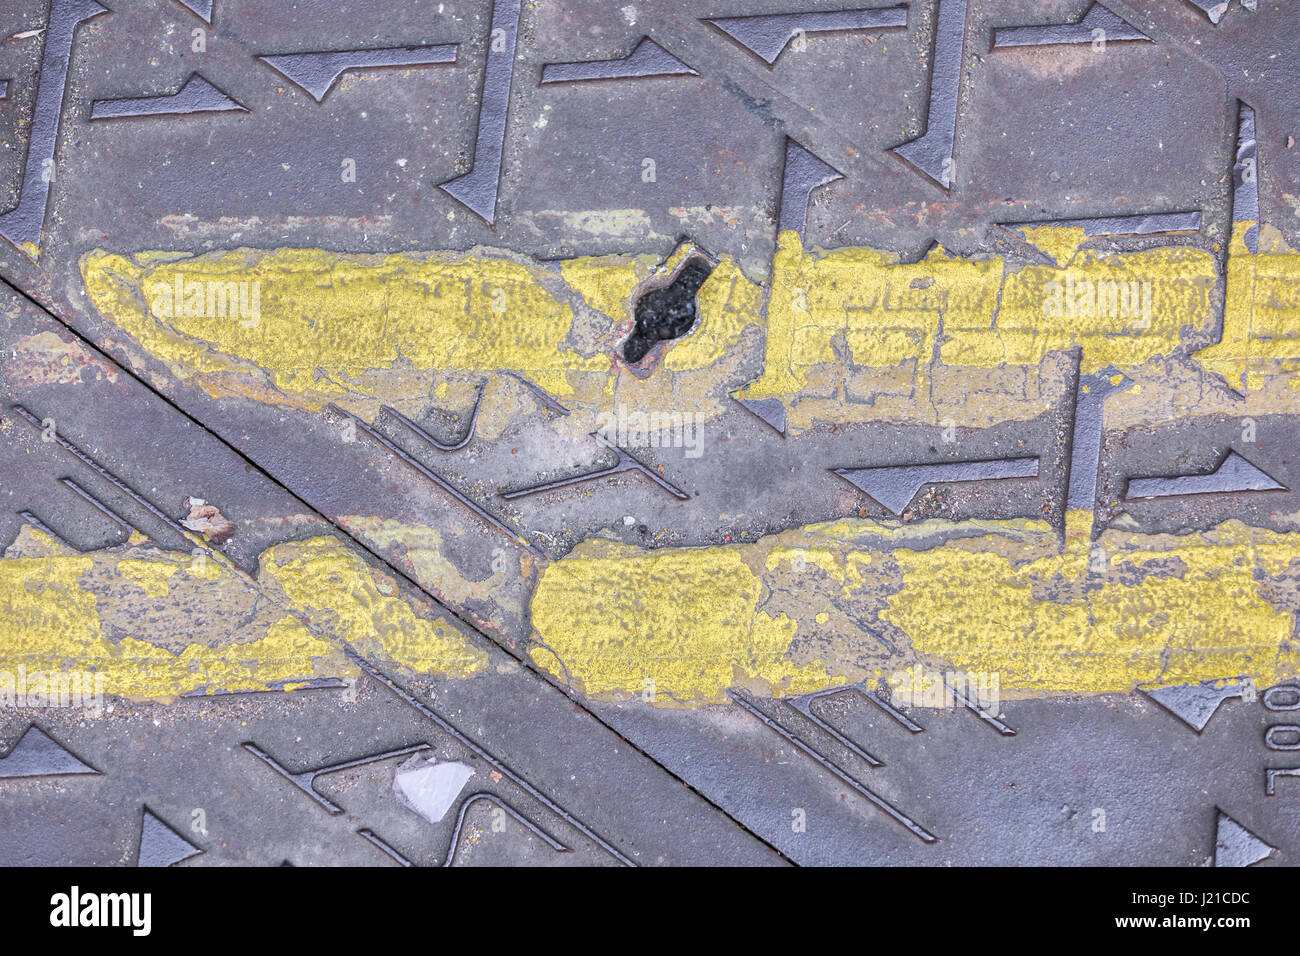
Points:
(328, 322)
(606, 283)
(1059, 242)
(34, 543)
(45, 358)
(728, 301)
(1178, 280)
(684, 620)
(138, 669)
(328, 581)
(151, 576)
(43, 608)
(847, 334)
(866, 302)
(1133, 609)
(839, 602)
(880, 314)
(158, 624)
(366, 330)
(420, 550)
(1261, 320)
(53, 620)
(825, 558)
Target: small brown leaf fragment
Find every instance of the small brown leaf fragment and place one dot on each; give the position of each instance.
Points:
(207, 520)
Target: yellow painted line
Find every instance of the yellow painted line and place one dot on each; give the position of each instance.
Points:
(158, 624)
(839, 326)
(1261, 321)
(835, 603)
(846, 335)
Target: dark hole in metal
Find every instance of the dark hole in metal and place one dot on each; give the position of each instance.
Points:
(668, 312)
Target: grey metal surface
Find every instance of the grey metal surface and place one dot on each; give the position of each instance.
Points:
(477, 189)
(23, 223)
(896, 486)
(1245, 172)
(197, 95)
(646, 59)
(318, 72)
(37, 754)
(766, 35)
(594, 781)
(932, 151)
(803, 173)
(1233, 474)
(1098, 25)
(1195, 704)
(1091, 392)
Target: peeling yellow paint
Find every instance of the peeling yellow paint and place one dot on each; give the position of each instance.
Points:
(728, 301)
(151, 576)
(368, 330)
(330, 324)
(839, 602)
(606, 282)
(327, 580)
(159, 624)
(138, 669)
(861, 308)
(1035, 315)
(672, 626)
(1261, 320)
(878, 312)
(62, 612)
(847, 335)
(849, 329)
(1059, 242)
(420, 548)
(43, 608)
(1133, 609)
